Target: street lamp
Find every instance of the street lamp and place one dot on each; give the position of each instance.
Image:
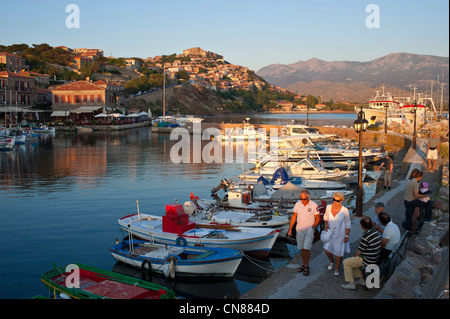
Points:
(415, 115)
(386, 106)
(360, 125)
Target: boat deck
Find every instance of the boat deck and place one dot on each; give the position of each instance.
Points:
(109, 288)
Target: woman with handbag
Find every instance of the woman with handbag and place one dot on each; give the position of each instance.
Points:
(337, 220)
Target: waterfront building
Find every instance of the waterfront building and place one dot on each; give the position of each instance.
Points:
(17, 88)
(17, 97)
(81, 100)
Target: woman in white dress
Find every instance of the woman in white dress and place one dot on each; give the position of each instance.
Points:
(337, 218)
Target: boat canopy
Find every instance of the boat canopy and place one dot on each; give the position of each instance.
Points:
(280, 174)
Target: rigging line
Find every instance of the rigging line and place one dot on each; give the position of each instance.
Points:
(254, 263)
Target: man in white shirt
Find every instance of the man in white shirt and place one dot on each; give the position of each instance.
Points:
(306, 214)
(391, 235)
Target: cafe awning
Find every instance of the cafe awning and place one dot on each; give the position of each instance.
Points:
(60, 113)
(86, 109)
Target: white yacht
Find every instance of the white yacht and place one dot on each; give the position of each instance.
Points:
(399, 108)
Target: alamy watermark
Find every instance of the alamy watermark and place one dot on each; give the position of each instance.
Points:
(73, 19)
(373, 276)
(236, 149)
(373, 19)
(73, 279)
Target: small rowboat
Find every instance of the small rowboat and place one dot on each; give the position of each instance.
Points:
(44, 129)
(177, 261)
(86, 282)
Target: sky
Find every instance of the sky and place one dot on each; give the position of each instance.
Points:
(246, 32)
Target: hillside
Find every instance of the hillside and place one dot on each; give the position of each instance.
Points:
(357, 81)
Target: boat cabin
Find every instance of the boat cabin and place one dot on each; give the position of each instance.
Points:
(176, 220)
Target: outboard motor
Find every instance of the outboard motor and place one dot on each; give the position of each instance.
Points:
(224, 184)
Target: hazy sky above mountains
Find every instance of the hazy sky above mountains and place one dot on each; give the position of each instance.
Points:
(246, 32)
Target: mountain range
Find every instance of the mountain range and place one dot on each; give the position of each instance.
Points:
(357, 81)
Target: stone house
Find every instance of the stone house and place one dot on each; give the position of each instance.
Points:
(82, 99)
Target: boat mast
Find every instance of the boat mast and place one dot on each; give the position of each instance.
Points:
(164, 93)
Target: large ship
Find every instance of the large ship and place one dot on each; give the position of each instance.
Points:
(399, 108)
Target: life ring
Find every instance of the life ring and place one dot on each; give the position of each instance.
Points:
(247, 198)
(181, 241)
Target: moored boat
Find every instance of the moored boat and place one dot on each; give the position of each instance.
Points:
(175, 261)
(7, 144)
(80, 281)
(42, 129)
(402, 108)
(176, 228)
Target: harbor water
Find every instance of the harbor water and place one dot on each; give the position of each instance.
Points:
(63, 194)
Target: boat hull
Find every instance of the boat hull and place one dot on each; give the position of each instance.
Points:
(95, 283)
(218, 263)
(254, 241)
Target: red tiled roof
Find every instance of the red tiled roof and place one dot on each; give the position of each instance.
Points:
(78, 86)
(31, 73)
(9, 54)
(8, 73)
(100, 82)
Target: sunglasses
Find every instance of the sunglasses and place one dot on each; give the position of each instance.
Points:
(336, 200)
(304, 198)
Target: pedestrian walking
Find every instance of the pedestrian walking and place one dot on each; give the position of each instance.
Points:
(306, 214)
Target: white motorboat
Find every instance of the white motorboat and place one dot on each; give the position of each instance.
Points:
(306, 168)
(298, 132)
(176, 228)
(7, 144)
(44, 129)
(329, 157)
(244, 133)
(188, 119)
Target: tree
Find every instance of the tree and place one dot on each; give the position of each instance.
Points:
(311, 101)
(183, 76)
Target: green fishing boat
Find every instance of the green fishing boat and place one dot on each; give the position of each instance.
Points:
(86, 282)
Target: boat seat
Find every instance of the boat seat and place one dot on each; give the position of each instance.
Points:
(116, 290)
(144, 250)
(204, 255)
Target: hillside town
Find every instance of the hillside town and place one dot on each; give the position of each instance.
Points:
(83, 82)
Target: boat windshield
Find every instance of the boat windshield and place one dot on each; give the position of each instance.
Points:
(298, 130)
(318, 147)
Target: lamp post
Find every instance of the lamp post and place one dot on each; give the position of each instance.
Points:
(415, 116)
(360, 125)
(386, 106)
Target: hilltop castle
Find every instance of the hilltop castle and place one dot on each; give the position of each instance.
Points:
(203, 53)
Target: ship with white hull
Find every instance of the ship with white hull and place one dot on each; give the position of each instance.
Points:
(398, 107)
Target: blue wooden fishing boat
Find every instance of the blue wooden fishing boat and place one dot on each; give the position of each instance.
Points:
(174, 261)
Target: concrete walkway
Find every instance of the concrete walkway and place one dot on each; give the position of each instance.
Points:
(287, 283)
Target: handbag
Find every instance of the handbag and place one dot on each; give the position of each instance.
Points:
(325, 236)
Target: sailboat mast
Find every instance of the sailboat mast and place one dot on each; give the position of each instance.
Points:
(164, 93)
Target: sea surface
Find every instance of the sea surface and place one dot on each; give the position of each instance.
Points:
(61, 198)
